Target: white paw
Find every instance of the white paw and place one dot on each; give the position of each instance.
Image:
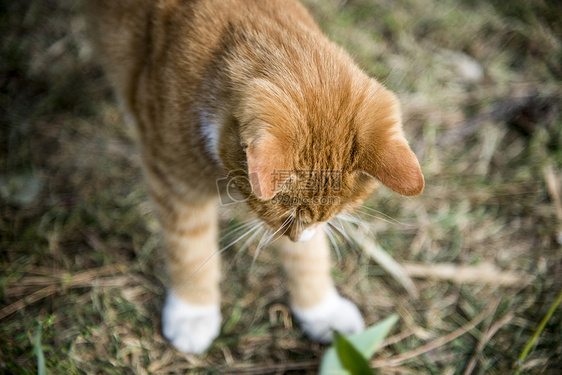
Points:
(334, 313)
(191, 329)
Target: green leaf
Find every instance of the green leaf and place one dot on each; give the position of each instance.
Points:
(351, 359)
(366, 343)
(41, 368)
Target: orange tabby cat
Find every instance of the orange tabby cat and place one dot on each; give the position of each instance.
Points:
(228, 88)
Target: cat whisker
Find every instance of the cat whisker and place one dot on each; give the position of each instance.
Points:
(282, 229)
(354, 222)
(268, 236)
(338, 229)
(176, 290)
(255, 225)
(368, 211)
(238, 228)
(363, 227)
(344, 230)
(259, 229)
(261, 244)
(331, 237)
(348, 217)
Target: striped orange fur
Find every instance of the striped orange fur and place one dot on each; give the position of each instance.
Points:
(218, 87)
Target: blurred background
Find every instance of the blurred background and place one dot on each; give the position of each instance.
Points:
(475, 262)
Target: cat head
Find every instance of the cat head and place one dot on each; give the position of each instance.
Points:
(312, 154)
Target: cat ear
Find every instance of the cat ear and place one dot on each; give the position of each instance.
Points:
(395, 165)
(385, 152)
(266, 166)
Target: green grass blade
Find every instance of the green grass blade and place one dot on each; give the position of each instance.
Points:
(351, 359)
(41, 368)
(366, 343)
(537, 333)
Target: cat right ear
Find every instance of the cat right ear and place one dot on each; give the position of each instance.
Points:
(386, 154)
(266, 161)
(396, 166)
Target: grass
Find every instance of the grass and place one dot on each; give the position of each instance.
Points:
(480, 85)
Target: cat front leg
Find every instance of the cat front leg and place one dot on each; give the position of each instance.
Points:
(314, 300)
(191, 316)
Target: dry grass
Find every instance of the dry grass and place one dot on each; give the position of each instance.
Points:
(480, 84)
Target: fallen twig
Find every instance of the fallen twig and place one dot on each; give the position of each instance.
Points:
(484, 273)
(399, 359)
(27, 300)
(485, 339)
(83, 279)
(555, 191)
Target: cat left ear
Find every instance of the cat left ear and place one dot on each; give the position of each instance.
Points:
(266, 161)
(395, 165)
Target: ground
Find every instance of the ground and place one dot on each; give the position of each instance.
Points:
(82, 274)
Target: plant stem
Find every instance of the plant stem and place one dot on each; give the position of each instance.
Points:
(537, 333)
